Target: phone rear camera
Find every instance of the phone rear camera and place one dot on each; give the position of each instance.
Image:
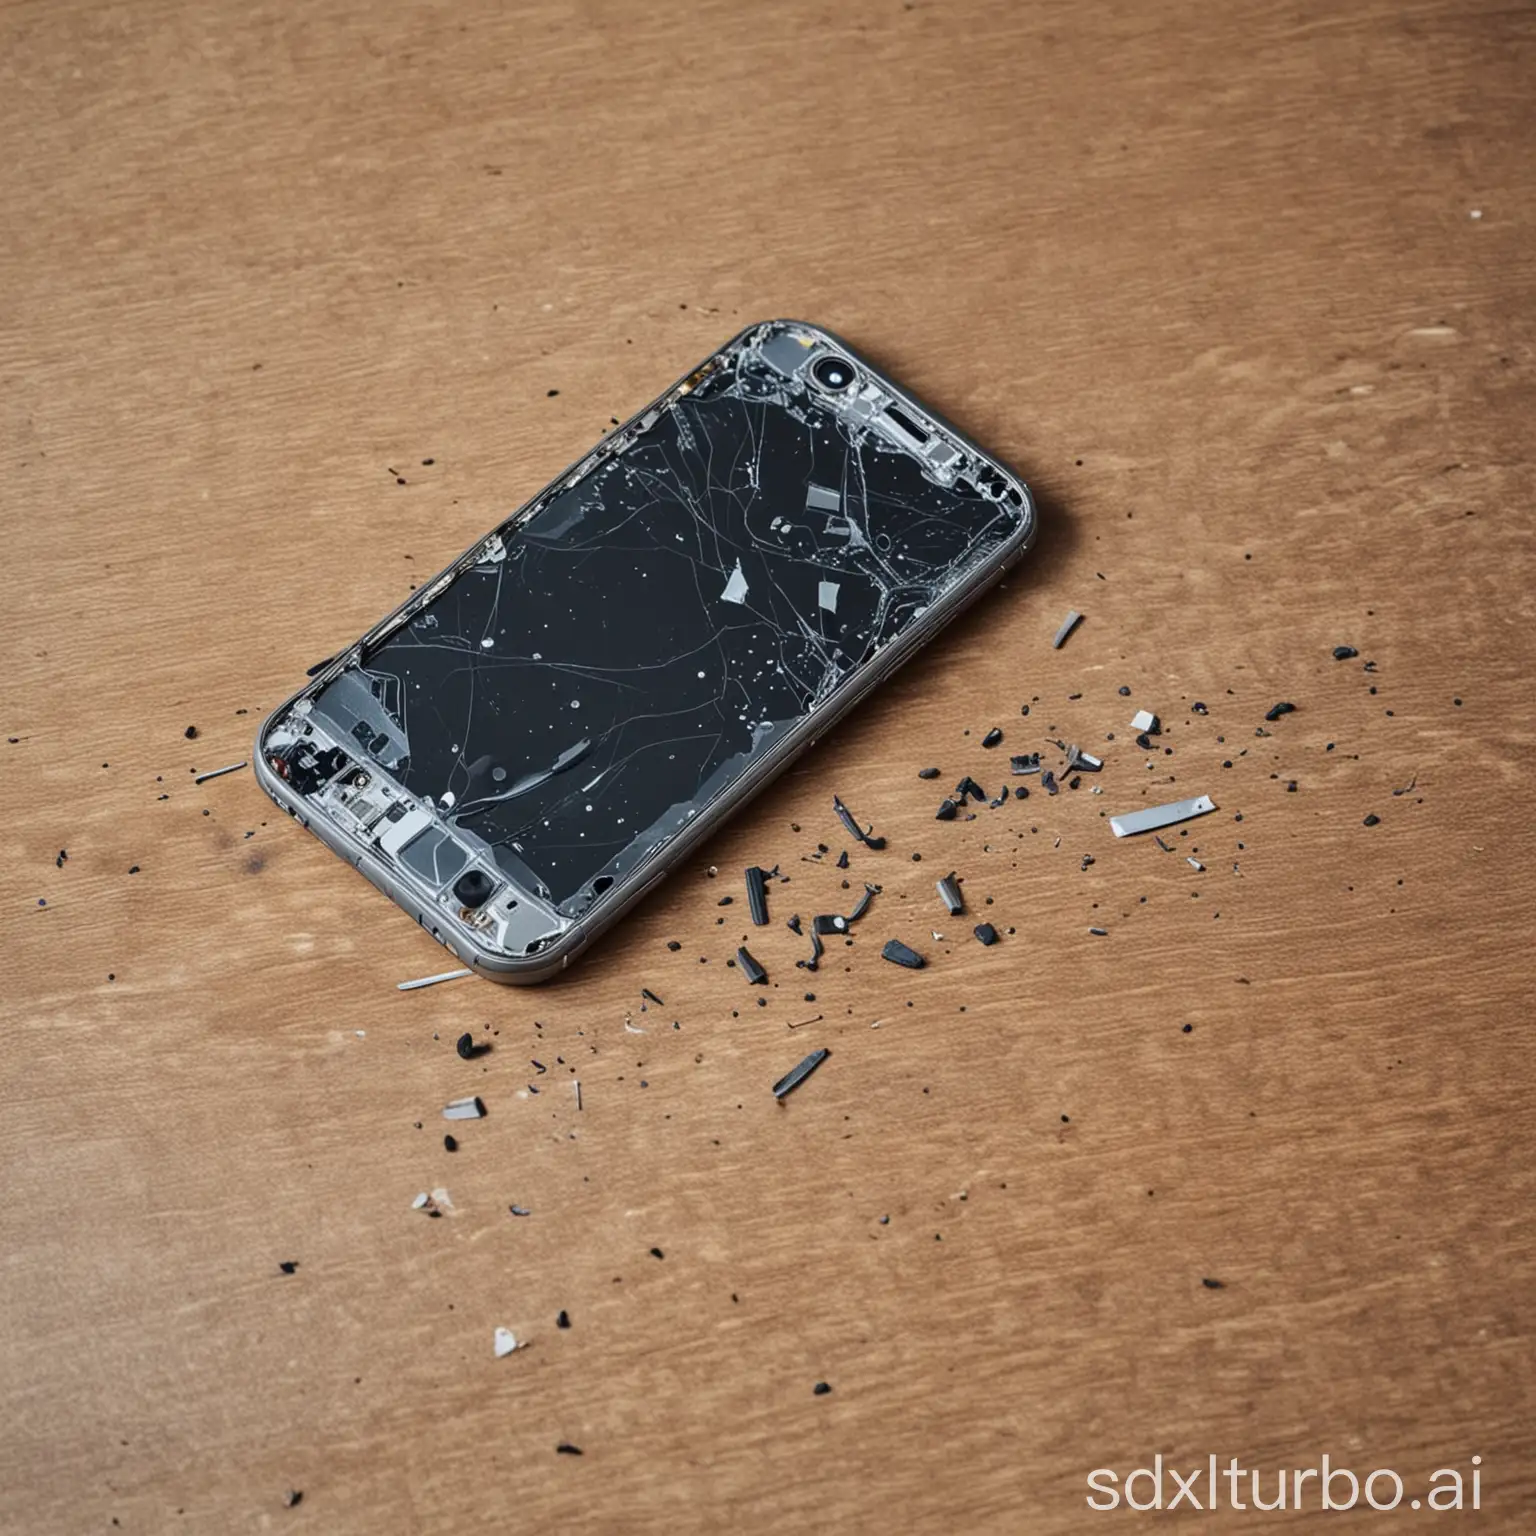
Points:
(833, 373)
(474, 888)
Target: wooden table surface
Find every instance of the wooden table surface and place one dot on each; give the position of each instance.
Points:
(1247, 293)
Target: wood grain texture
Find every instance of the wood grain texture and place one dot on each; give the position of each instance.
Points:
(1211, 277)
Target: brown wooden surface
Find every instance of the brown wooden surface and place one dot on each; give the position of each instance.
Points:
(1211, 277)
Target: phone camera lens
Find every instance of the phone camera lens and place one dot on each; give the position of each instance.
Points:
(833, 373)
(474, 888)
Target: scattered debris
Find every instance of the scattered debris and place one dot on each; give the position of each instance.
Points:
(468, 1050)
(1409, 787)
(842, 863)
(1199, 708)
(798, 1074)
(218, 773)
(993, 736)
(1068, 624)
(947, 811)
(1276, 710)
(1048, 782)
(754, 973)
(434, 1204)
(1156, 816)
(899, 954)
(986, 933)
(1145, 720)
(969, 789)
(1344, 652)
(1194, 863)
(430, 981)
(1372, 820)
(793, 923)
(505, 1342)
(949, 894)
(647, 993)
(1086, 761)
(464, 1109)
(1026, 762)
(1001, 799)
(855, 831)
(927, 773)
(757, 894)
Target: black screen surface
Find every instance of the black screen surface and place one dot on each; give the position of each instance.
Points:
(620, 657)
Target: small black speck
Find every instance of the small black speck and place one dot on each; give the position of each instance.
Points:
(673, 945)
(1344, 652)
(933, 773)
(190, 733)
(993, 736)
(1125, 692)
(1456, 702)
(428, 463)
(450, 1144)
(656, 1253)
(1189, 1029)
(1199, 708)
(1214, 1285)
(291, 1500)
(551, 393)
(565, 1448)
(1372, 819)
(288, 1266)
(822, 1388)
(133, 869)
(564, 1320)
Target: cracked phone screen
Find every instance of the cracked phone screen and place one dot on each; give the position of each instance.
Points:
(621, 653)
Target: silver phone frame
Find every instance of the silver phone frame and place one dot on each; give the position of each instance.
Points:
(625, 893)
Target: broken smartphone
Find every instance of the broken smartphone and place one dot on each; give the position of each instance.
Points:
(521, 750)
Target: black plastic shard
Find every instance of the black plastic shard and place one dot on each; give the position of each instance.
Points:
(757, 895)
(798, 1074)
(793, 923)
(1344, 652)
(901, 954)
(754, 973)
(986, 933)
(968, 787)
(993, 736)
(1026, 762)
(927, 773)
(1048, 782)
(855, 831)
(949, 893)
(862, 905)
(1276, 710)
(947, 811)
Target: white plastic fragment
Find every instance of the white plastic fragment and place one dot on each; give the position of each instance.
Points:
(505, 1342)
(430, 981)
(464, 1109)
(1145, 720)
(1193, 862)
(736, 587)
(1068, 624)
(1155, 816)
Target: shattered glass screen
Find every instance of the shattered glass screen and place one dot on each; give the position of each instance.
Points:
(578, 696)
